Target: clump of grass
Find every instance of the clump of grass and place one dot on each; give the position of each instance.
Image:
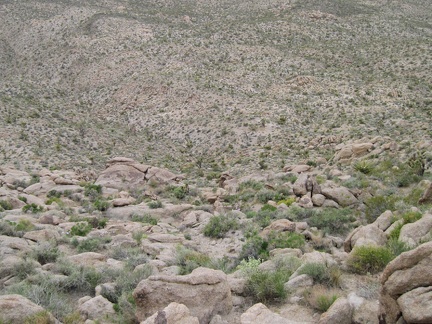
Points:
(81, 229)
(333, 221)
(155, 204)
(5, 205)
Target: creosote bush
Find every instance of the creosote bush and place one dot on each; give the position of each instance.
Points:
(369, 259)
(218, 226)
(333, 221)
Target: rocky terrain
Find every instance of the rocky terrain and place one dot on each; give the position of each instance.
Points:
(215, 162)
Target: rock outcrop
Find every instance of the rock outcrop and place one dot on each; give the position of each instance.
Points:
(18, 309)
(174, 313)
(407, 287)
(205, 292)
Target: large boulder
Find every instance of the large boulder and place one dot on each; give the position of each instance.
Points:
(174, 313)
(341, 195)
(365, 235)
(97, 308)
(406, 287)
(205, 292)
(413, 233)
(18, 309)
(427, 195)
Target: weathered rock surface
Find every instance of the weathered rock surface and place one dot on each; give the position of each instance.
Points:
(384, 220)
(205, 292)
(174, 313)
(365, 235)
(259, 313)
(401, 281)
(339, 312)
(97, 308)
(427, 195)
(18, 309)
(341, 195)
(413, 233)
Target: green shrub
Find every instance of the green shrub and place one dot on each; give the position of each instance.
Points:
(364, 167)
(188, 260)
(255, 247)
(333, 221)
(251, 184)
(46, 253)
(373, 259)
(92, 191)
(265, 286)
(264, 195)
(180, 192)
(146, 219)
(318, 271)
(289, 201)
(101, 204)
(54, 193)
(285, 240)
(24, 268)
(218, 226)
(92, 244)
(325, 301)
(50, 200)
(397, 247)
(155, 204)
(375, 206)
(33, 208)
(5, 205)
(81, 229)
(24, 225)
(268, 207)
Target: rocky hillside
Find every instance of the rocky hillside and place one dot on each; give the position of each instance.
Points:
(140, 244)
(199, 86)
(215, 162)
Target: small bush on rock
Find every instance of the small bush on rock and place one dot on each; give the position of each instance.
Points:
(81, 229)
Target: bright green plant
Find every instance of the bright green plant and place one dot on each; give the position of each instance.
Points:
(285, 240)
(373, 259)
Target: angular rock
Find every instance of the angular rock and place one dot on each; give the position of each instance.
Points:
(120, 176)
(42, 235)
(280, 225)
(299, 186)
(303, 280)
(205, 292)
(174, 313)
(427, 196)
(318, 200)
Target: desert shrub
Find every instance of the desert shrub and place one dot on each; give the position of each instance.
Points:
(289, 178)
(95, 222)
(5, 205)
(188, 259)
(146, 219)
(288, 201)
(397, 247)
(54, 193)
(268, 207)
(265, 286)
(218, 226)
(101, 204)
(321, 273)
(33, 208)
(24, 225)
(24, 268)
(251, 184)
(92, 244)
(155, 204)
(375, 206)
(321, 298)
(8, 228)
(285, 240)
(364, 167)
(50, 200)
(254, 247)
(264, 195)
(333, 221)
(42, 317)
(45, 253)
(180, 192)
(81, 229)
(297, 213)
(92, 191)
(79, 278)
(373, 259)
(408, 217)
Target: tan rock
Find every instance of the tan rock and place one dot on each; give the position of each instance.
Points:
(174, 313)
(413, 233)
(97, 308)
(42, 235)
(339, 312)
(89, 259)
(259, 313)
(366, 235)
(427, 195)
(384, 220)
(341, 195)
(205, 292)
(18, 309)
(318, 200)
(280, 225)
(416, 305)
